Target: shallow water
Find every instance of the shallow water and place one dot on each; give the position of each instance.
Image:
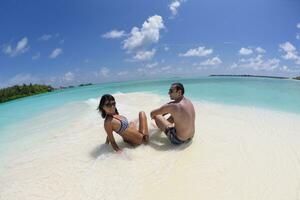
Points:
(275, 94)
(246, 145)
(237, 153)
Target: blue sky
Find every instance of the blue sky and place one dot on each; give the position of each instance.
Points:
(71, 42)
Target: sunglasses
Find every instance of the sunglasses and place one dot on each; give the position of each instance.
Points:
(170, 91)
(110, 104)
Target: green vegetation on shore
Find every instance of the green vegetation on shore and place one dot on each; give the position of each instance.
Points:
(297, 78)
(19, 91)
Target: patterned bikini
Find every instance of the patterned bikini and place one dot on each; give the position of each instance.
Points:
(124, 125)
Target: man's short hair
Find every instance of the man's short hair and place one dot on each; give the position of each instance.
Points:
(179, 86)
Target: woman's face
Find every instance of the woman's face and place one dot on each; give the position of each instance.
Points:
(110, 107)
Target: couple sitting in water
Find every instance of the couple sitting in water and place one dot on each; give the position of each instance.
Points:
(179, 127)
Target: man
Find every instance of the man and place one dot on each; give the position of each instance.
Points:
(180, 126)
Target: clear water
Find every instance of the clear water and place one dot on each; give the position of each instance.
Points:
(275, 94)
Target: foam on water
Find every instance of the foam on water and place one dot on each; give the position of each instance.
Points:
(237, 153)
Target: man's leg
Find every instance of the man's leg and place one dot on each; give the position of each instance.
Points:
(162, 123)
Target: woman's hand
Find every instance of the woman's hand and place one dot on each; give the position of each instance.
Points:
(119, 151)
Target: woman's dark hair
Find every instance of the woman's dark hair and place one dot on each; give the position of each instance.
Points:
(179, 86)
(105, 98)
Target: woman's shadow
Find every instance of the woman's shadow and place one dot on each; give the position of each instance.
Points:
(106, 149)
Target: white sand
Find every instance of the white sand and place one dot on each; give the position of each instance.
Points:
(237, 153)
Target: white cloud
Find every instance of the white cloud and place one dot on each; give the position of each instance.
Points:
(290, 52)
(21, 47)
(166, 68)
(257, 63)
(56, 52)
(69, 76)
(199, 52)
(174, 6)
(298, 36)
(214, 61)
(260, 50)
(298, 25)
(233, 66)
(114, 34)
(45, 37)
(36, 56)
(288, 47)
(144, 55)
(287, 69)
(123, 73)
(104, 72)
(23, 79)
(245, 51)
(151, 65)
(166, 48)
(148, 34)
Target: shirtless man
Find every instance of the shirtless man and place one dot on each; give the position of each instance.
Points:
(180, 126)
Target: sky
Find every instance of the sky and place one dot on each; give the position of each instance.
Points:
(69, 42)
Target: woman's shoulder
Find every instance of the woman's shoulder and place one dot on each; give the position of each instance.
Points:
(108, 119)
(118, 116)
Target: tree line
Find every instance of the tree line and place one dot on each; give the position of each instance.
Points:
(19, 91)
(297, 78)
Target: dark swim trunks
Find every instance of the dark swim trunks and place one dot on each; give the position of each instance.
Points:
(171, 134)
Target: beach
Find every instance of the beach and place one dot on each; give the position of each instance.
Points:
(238, 152)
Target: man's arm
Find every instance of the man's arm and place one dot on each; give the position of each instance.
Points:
(167, 108)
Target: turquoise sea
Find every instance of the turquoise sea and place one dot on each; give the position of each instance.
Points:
(275, 94)
(246, 144)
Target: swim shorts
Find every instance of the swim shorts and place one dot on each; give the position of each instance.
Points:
(171, 134)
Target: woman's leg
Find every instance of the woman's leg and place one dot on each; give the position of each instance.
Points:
(143, 126)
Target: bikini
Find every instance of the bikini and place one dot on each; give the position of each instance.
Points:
(124, 125)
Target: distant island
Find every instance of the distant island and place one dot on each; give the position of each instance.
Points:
(72, 86)
(246, 75)
(297, 78)
(85, 84)
(19, 91)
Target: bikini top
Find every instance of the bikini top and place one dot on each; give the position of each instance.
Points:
(124, 125)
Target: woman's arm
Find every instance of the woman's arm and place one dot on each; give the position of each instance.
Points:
(110, 137)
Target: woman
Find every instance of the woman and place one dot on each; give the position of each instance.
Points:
(118, 123)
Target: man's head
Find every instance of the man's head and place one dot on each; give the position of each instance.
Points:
(176, 91)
